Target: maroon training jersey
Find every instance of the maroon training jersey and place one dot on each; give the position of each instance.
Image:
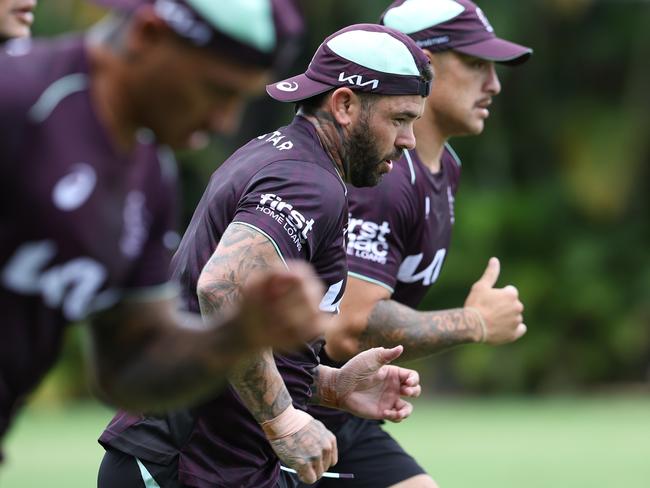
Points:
(285, 186)
(398, 235)
(81, 224)
(399, 231)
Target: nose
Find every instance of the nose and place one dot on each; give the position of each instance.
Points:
(492, 84)
(406, 138)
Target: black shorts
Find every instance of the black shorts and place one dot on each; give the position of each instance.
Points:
(372, 455)
(121, 470)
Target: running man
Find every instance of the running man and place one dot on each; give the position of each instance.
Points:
(399, 234)
(282, 196)
(88, 196)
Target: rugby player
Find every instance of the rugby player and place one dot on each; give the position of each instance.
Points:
(16, 18)
(283, 196)
(399, 234)
(88, 200)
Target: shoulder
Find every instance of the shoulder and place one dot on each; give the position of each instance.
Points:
(47, 69)
(312, 183)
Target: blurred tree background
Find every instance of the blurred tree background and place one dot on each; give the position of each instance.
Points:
(558, 187)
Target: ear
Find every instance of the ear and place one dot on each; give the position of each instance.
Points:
(345, 106)
(147, 30)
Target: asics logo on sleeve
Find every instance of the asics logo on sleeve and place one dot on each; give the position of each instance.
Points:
(293, 221)
(74, 189)
(367, 240)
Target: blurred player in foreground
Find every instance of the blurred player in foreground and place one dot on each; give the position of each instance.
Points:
(399, 234)
(88, 196)
(282, 196)
(16, 18)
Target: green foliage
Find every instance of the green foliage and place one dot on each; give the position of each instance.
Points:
(557, 186)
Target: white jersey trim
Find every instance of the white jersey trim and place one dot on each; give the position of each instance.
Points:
(371, 280)
(277, 248)
(147, 478)
(453, 153)
(55, 93)
(411, 167)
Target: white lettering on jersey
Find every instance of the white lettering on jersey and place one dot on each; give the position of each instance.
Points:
(275, 138)
(451, 200)
(74, 189)
(428, 276)
(136, 228)
(71, 285)
(367, 240)
(295, 224)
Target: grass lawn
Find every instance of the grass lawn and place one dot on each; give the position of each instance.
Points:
(505, 443)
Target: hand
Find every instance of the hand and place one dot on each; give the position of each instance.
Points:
(280, 308)
(500, 308)
(368, 387)
(310, 450)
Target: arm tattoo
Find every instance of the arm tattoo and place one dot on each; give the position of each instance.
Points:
(260, 387)
(241, 252)
(421, 333)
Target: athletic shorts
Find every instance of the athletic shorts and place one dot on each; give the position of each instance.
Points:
(374, 458)
(121, 470)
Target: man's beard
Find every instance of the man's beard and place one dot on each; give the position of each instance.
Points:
(361, 155)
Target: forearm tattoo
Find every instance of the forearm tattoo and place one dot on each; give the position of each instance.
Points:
(260, 387)
(421, 333)
(241, 252)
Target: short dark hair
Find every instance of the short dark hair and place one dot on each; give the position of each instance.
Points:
(310, 106)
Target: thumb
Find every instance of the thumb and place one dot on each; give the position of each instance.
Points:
(491, 273)
(520, 331)
(385, 356)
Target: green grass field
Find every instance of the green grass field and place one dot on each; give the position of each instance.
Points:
(505, 443)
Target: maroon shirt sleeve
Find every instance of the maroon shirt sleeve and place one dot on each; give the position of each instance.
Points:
(285, 200)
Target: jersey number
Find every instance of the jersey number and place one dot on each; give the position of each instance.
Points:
(428, 276)
(70, 285)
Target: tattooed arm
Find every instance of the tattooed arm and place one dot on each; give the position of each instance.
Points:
(307, 446)
(369, 318)
(241, 253)
(145, 355)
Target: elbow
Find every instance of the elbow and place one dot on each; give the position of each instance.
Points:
(342, 338)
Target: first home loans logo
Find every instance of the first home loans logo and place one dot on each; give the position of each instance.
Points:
(295, 224)
(367, 240)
